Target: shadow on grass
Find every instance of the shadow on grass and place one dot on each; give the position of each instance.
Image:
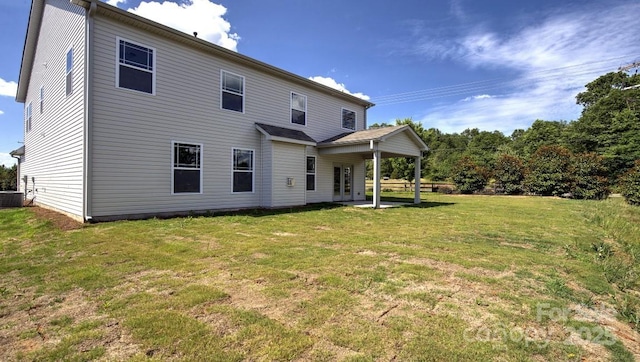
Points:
(408, 201)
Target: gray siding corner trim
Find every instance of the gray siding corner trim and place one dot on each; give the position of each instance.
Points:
(29, 49)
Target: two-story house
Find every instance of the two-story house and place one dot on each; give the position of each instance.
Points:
(128, 118)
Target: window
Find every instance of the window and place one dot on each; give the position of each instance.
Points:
(69, 72)
(311, 173)
(242, 170)
(27, 117)
(232, 89)
(186, 165)
(298, 109)
(136, 67)
(41, 99)
(348, 119)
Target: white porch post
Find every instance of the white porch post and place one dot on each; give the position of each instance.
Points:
(416, 198)
(376, 178)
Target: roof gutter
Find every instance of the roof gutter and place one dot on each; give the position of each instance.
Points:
(167, 32)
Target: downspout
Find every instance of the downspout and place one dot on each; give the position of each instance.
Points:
(88, 103)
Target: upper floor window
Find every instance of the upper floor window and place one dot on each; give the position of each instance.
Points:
(69, 72)
(298, 109)
(136, 67)
(27, 117)
(41, 99)
(186, 167)
(242, 170)
(311, 173)
(348, 119)
(232, 91)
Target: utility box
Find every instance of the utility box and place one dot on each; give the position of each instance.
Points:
(11, 199)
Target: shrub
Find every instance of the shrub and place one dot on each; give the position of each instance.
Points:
(589, 177)
(630, 185)
(468, 176)
(549, 171)
(445, 190)
(510, 171)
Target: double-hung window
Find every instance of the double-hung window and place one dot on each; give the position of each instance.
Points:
(232, 91)
(136, 67)
(311, 173)
(242, 170)
(298, 109)
(69, 72)
(348, 119)
(27, 117)
(187, 168)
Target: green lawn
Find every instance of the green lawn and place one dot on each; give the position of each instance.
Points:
(456, 278)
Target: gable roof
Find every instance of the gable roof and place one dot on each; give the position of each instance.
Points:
(99, 7)
(373, 134)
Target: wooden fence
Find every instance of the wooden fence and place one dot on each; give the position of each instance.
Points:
(400, 185)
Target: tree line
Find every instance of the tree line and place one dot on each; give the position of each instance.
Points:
(8, 178)
(595, 152)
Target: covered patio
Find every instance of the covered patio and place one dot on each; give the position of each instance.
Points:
(377, 144)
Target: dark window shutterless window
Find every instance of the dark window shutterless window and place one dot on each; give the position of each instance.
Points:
(311, 173)
(187, 170)
(242, 170)
(136, 66)
(232, 91)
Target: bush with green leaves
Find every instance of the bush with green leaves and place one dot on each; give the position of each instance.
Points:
(549, 171)
(589, 177)
(468, 176)
(630, 185)
(509, 171)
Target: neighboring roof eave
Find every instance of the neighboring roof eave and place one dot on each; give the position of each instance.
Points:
(145, 23)
(17, 152)
(29, 49)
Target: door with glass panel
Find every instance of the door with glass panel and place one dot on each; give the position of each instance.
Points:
(342, 182)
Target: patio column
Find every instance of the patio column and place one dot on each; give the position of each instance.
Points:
(416, 198)
(376, 178)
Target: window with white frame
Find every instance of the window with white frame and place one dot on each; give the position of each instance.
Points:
(69, 72)
(232, 91)
(298, 109)
(187, 168)
(242, 170)
(311, 173)
(41, 99)
(27, 117)
(348, 119)
(136, 67)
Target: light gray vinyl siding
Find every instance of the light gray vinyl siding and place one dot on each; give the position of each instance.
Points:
(132, 131)
(54, 146)
(400, 143)
(266, 184)
(324, 176)
(289, 160)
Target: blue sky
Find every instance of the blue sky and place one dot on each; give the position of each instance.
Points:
(449, 64)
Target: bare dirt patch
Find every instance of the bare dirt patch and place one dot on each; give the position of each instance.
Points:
(60, 221)
(34, 322)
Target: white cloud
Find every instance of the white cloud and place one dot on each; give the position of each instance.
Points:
(1, 112)
(553, 58)
(330, 82)
(8, 89)
(481, 96)
(7, 160)
(201, 16)
(115, 2)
